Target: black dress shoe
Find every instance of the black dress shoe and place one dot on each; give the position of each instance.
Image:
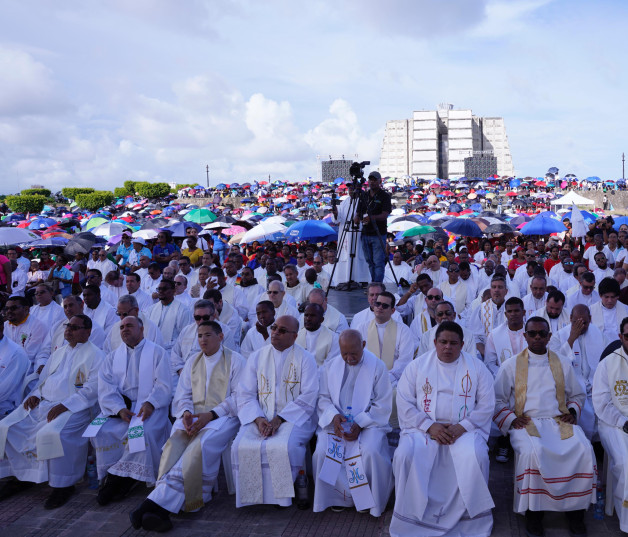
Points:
(12, 487)
(145, 507)
(59, 497)
(534, 524)
(154, 522)
(575, 520)
(115, 488)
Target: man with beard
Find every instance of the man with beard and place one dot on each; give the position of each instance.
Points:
(554, 312)
(601, 270)
(585, 294)
(315, 337)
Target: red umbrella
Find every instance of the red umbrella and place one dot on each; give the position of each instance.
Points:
(263, 182)
(291, 197)
(447, 193)
(511, 194)
(540, 183)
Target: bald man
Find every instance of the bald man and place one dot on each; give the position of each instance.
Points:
(354, 406)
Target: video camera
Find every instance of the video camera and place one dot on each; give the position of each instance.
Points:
(357, 170)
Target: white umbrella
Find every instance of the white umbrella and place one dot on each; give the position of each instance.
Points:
(109, 229)
(146, 234)
(263, 232)
(397, 212)
(277, 219)
(15, 235)
(402, 225)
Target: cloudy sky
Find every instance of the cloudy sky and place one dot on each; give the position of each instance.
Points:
(95, 93)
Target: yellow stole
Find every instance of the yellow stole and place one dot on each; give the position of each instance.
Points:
(387, 354)
(205, 398)
(521, 390)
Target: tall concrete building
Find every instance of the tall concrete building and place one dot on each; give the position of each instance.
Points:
(445, 143)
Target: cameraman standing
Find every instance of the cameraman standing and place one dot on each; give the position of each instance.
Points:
(373, 210)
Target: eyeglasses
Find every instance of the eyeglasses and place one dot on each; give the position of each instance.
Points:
(382, 305)
(202, 317)
(122, 315)
(534, 333)
(281, 330)
(73, 327)
(433, 297)
(300, 257)
(453, 270)
(444, 313)
(273, 292)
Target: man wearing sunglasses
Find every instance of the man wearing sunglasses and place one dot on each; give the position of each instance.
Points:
(584, 294)
(389, 340)
(128, 307)
(276, 398)
(555, 464)
(51, 420)
(426, 318)
(444, 311)
(74, 305)
(561, 275)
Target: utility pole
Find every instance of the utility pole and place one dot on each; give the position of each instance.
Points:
(623, 166)
(207, 170)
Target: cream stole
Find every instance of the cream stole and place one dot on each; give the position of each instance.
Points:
(170, 319)
(387, 354)
(419, 306)
(266, 380)
(503, 346)
(332, 318)
(226, 313)
(48, 439)
(323, 343)
(521, 392)
(205, 397)
(227, 293)
(459, 297)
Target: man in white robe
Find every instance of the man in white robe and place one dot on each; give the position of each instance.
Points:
(387, 339)
(294, 288)
(537, 402)
(133, 283)
(94, 277)
(608, 313)
(46, 310)
(315, 337)
(169, 314)
(582, 343)
(458, 291)
(334, 319)
(73, 305)
(600, 268)
(128, 306)
(537, 297)
(490, 314)
(28, 333)
(354, 382)
(181, 291)
(13, 367)
(425, 319)
(413, 302)
(610, 400)
(230, 293)
(207, 420)
(445, 311)
(277, 408)
(228, 316)
(507, 339)
(251, 289)
(433, 269)
(100, 312)
(258, 335)
(585, 294)
(134, 392)
(403, 271)
(51, 420)
(367, 315)
(445, 403)
(554, 312)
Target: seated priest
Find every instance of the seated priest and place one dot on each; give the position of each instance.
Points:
(538, 401)
(134, 392)
(445, 402)
(315, 337)
(277, 408)
(205, 407)
(352, 463)
(41, 438)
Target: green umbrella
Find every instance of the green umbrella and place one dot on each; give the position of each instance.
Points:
(200, 216)
(418, 230)
(93, 222)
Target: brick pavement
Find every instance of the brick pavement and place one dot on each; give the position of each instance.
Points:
(24, 516)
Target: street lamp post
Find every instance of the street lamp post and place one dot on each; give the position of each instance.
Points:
(207, 170)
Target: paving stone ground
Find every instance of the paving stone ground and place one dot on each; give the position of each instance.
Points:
(24, 516)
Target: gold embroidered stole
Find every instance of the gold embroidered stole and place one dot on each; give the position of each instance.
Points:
(521, 391)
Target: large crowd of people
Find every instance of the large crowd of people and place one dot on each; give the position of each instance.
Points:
(163, 359)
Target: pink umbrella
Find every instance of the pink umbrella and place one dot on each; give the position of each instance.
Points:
(233, 230)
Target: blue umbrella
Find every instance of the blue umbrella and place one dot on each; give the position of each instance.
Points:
(42, 223)
(179, 229)
(311, 230)
(476, 207)
(553, 170)
(618, 221)
(50, 241)
(547, 214)
(543, 226)
(338, 180)
(463, 227)
(220, 186)
(588, 217)
(593, 179)
(455, 208)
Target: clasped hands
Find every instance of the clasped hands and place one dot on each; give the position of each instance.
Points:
(33, 402)
(352, 435)
(194, 427)
(146, 411)
(446, 434)
(522, 421)
(268, 428)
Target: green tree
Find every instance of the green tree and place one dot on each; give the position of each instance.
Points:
(121, 192)
(36, 192)
(153, 190)
(26, 204)
(72, 192)
(93, 201)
